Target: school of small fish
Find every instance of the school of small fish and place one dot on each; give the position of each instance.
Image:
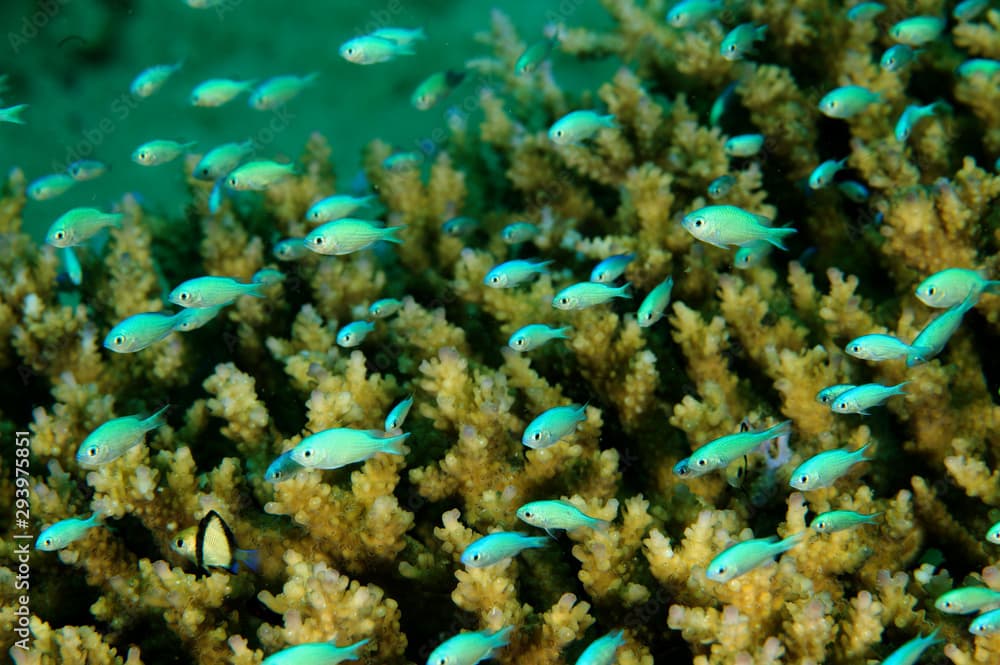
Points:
(341, 224)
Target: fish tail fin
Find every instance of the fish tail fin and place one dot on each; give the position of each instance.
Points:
(394, 445)
(560, 333)
(420, 33)
(115, 219)
(352, 652)
(622, 291)
(310, 78)
(871, 519)
(404, 49)
(791, 541)
(537, 541)
(253, 289)
(389, 234)
(932, 637)
(776, 236)
(501, 638)
(781, 429)
(860, 452)
(898, 389)
(13, 114)
(992, 286)
(249, 558)
(760, 32)
(609, 121)
(156, 420)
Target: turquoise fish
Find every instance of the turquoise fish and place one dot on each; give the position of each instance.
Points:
(518, 232)
(602, 650)
(384, 308)
(741, 558)
(611, 268)
(865, 11)
(83, 170)
(496, 547)
(993, 535)
(282, 468)
(534, 56)
(12, 114)
(978, 67)
(290, 249)
(934, 336)
(354, 333)
(656, 301)
(830, 393)
(686, 13)
(553, 425)
(340, 446)
(337, 206)
(724, 225)
(371, 50)
(115, 437)
(222, 160)
(216, 92)
(73, 268)
(534, 335)
(159, 151)
(397, 416)
(877, 347)
(316, 653)
(258, 175)
(913, 114)
(861, 398)
(210, 291)
(853, 190)
(744, 145)
(823, 174)
(950, 287)
(721, 103)
(469, 648)
(348, 235)
(150, 80)
(279, 90)
(558, 514)
(404, 36)
(579, 126)
(66, 532)
(79, 225)
(721, 452)
(841, 520)
(721, 186)
(897, 58)
(192, 318)
(435, 88)
(511, 273)
(824, 469)
(268, 276)
(847, 101)
(459, 226)
(140, 331)
(748, 256)
(738, 44)
(987, 623)
(969, 10)
(917, 30)
(588, 294)
(50, 186)
(967, 600)
(910, 653)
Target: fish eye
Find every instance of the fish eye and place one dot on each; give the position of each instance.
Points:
(803, 479)
(495, 279)
(119, 340)
(721, 570)
(47, 542)
(519, 341)
(184, 295)
(732, 48)
(890, 61)
(856, 348)
(442, 661)
(832, 103)
(307, 453)
(931, 290)
(537, 436)
(528, 514)
(702, 462)
(92, 451)
(179, 543)
(698, 222)
(60, 235)
(559, 133)
(318, 240)
(350, 50)
(475, 557)
(564, 301)
(276, 475)
(142, 155)
(346, 337)
(947, 604)
(232, 182)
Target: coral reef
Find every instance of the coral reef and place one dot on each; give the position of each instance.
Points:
(372, 551)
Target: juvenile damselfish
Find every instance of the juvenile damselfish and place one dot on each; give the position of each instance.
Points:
(553, 425)
(720, 453)
(348, 235)
(79, 225)
(469, 648)
(139, 331)
(511, 273)
(579, 126)
(951, 286)
(211, 291)
(340, 446)
(653, 305)
(741, 558)
(967, 600)
(354, 333)
(861, 398)
(66, 532)
(611, 268)
(557, 514)
(116, 437)
(496, 547)
(588, 294)
(841, 520)
(534, 335)
(724, 225)
(316, 653)
(824, 469)
(280, 90)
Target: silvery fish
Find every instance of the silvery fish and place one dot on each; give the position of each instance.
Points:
(656, 301)
(534, 335)
(967, 600)
(723, 225)
(210, 291)
(739, 42)
(611, 268)
(282, 468)
(743, 557)
(150, 80)
(403, 36)
(847, 101)
(861, 398)
(290, 249)
(830, 393)
(459, 226)
(340, 446)
(557, 514)
(316, 653)
(66, 532)
(371, 50)
(897, 58)
(139, 331)
(578, 126)
(216, 92)
(588, 294)
(222, 160)
(877, 347)
(354, 333)
(337, 206)
(115, 437)
(534, 56)
(978, 67)
(917, 30)
(435, 88)
(347, 235)
(744, 145)
(86, 169)
(987, 623)
(553, 425)
(721, 452)
(841, 520)
(993, 535)
(602, 650)
(268, 276)
(969, 10)
(721, 103)
(469, 648)
(193, 318)
(720, 186)
(50, 186)
(155, 153)
(950, 287)
(823, 174)
(824, 469)
(511, 273)
(853, 190)
(865, 11)
(384, 308)
(748, 256)
(79, 225)
(258, 175)
(496, 547)
(279, 90)
(397, 416)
